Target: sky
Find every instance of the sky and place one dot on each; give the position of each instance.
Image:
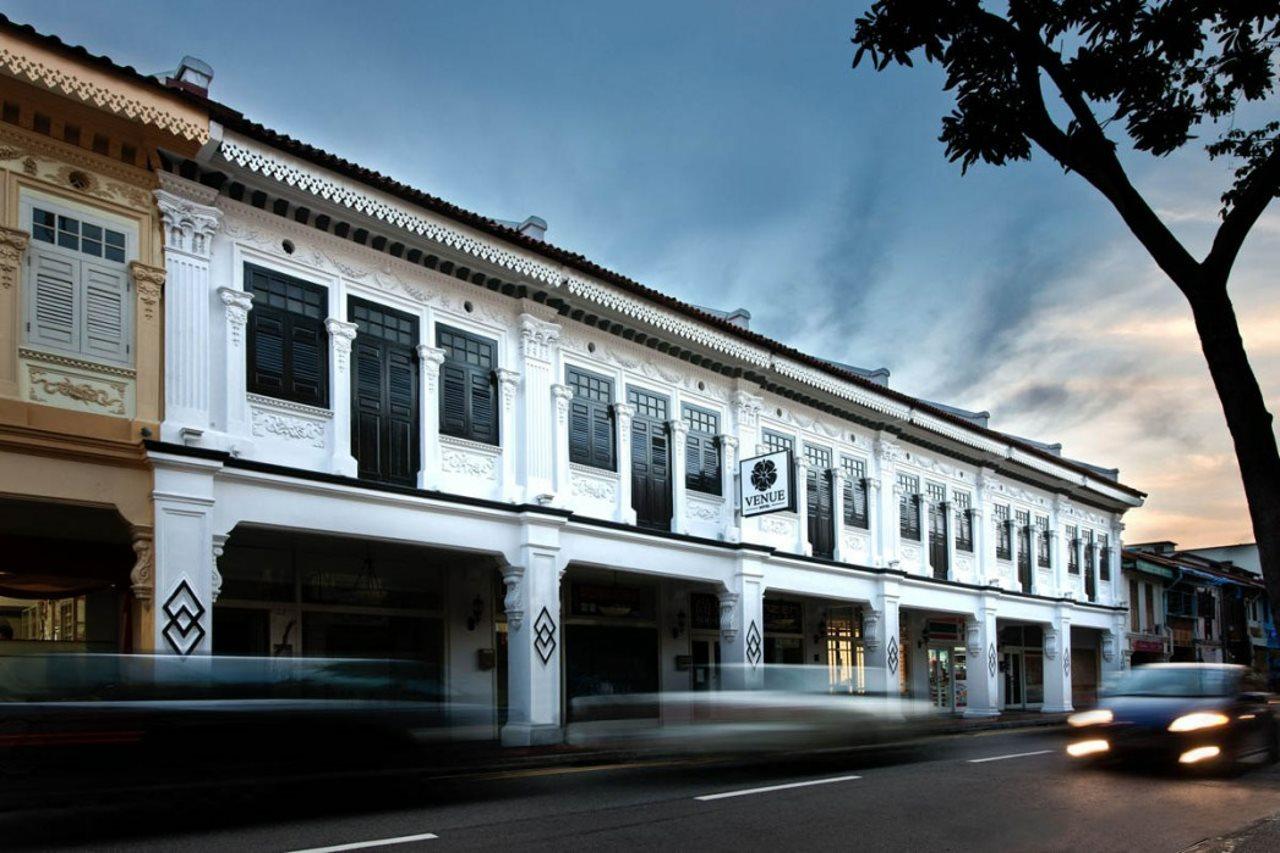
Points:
(727, 154)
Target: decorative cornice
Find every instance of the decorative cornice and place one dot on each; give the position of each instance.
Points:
(300, 176)
(78, 363)
(467, 444)
(18, 144)
(289, 406)
(93, 93)
(188, 225)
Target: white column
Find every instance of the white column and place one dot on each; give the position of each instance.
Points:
(341, 334)
(886, 476)
(875, 521)
(729, 487)
(508, 385)
(622, 413)
(679, 432)
(236, 305)
(982, 665)
(189, 225)
(1015, 543)
(742, 626)
(746, 411)
(429, 358)
(184, 571)
(881, 632)
(540, 415)
(535, 634)
(561, 396)
(1117, 582)
(1057, 664)
(836, 473)
(1095, 568)
(801, 474)
(980, 538)
(1036, 531)
(1078, 547)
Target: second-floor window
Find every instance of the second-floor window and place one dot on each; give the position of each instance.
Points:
(702, 451)
(1004, 533)
(78, 287)
(1073, 551)
(776, 442)
(1104, 555)
(591, 420)
(856, 512)
(909, 506)
(963, 512)
(1022, 529)
(288, 344)
(1042, 542)
(468, 396)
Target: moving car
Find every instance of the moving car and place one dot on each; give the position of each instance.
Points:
(1214, 715)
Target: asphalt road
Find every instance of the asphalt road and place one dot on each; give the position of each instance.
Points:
(1003, 790)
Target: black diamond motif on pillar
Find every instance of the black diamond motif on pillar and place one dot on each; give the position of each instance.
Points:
(991, 660)
(891, 654)
(1066, 662)
(544, 636)
(183, 612)
(753, 644)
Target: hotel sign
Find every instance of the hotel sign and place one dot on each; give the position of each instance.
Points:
(765, 484)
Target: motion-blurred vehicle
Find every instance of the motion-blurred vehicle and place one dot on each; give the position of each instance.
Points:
(1193, 714)
(796, 708)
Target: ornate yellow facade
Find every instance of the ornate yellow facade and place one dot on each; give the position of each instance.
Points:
(81, 337)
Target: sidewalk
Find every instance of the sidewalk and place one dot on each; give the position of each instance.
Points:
(1262, 836)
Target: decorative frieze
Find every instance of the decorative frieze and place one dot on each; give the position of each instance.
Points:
(189, 226)
(469, 458)
(75, 384)
(593, 483)
(537, 337)
(237, 304)
(12, 244)
(341, 334)
(288, 421)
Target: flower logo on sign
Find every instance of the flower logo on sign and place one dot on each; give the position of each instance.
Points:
(764, 474)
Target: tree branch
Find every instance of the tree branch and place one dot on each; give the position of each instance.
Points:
(1257, 194)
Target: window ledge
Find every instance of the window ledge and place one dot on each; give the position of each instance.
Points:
(313, 412)
(591, 471)
(64, 360)
(467, 444)
(705, 497)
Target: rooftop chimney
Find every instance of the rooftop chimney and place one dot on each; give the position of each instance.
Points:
(534, 227)
(739, 317)
(194, 75)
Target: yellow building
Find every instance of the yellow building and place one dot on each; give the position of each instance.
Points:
(81, 339)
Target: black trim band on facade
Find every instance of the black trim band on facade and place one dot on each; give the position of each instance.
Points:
(466, 500)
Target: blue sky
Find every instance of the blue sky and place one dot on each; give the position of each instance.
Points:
(727, 154)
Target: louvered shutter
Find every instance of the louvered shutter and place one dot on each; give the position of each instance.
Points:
(106, 312)
(711, 465)
(693, 476)
(266, 353)
(367, 391)
(453, 400)
(602, 438)
(309, 355)
(55, 301)
(484, 408)
(402, 415)
(580, 433)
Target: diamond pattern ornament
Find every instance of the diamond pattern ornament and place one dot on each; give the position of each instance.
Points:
(753, 644)
(544, 636)
(183, 612)
(991, 659)
(1066, 662)
(891, 654)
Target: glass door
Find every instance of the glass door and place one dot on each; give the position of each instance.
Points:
(1013, 694)
(941, 680)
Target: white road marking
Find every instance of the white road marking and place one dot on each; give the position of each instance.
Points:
(1014, 755)
(377, 842)
(706, 797)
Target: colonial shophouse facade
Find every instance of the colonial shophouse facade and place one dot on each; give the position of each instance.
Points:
(393, 428)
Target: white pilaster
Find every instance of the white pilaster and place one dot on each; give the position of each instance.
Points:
(949, 520)
(184, 570)
(801, 474)
(980, 539)
(1057, 664)
(430, 358)
(341, 334)
(742, 626)
(746, 415)
(508, 386)
(922, 507)
(561, 396)
(837, 512)
(541, 418)
(984, 530)
(886, 486)
(535, 636)
(679, 432)
(236, 305)
(622, 413)
(729, 487)
(1092, 565)
(190, 222)
(882, 630)
(1015, 546)
(982, 665)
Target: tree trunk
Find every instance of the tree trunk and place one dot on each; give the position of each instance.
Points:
(1248, 420)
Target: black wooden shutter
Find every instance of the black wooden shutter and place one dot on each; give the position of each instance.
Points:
(308, 354)
(602, 437)
(367, 390)
(402, 415)
(453, 399)
(580, 433)
(266, 353)
(484, 408)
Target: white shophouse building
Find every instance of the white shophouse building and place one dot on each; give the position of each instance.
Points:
(396, 428)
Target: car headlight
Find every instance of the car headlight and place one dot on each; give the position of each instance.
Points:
(1096, 717)
(1198, 720)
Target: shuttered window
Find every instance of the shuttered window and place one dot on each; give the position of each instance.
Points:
(468, 390)
(288, 343)
(78, 291)
(591, 420)
(1104, 554)
(1042, 545)
(962, 510)
(1004, 534)
(1073, 555)
(855, 492)
(908, 506)
(702, 451)
(776, 442)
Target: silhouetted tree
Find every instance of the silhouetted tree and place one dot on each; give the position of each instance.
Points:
(1062, 76)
